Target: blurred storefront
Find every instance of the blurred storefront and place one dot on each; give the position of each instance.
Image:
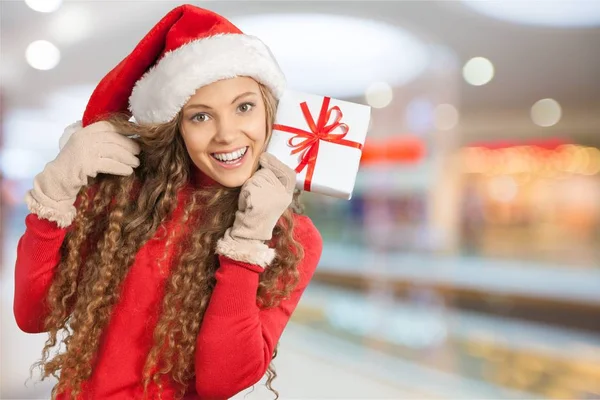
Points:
(532, 200)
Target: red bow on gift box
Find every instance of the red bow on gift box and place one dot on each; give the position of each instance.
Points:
(309, 140)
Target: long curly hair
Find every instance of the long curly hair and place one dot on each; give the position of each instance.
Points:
(108, 231)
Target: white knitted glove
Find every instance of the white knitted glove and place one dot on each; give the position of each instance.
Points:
(97, 148)
(263, 199)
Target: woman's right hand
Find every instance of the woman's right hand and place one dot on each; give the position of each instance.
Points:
(97, 148)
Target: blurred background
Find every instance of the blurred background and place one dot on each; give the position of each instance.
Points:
(466, 264)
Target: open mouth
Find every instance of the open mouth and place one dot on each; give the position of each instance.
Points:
(230, 158)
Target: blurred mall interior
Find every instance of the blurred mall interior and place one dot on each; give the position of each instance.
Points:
(467, 262)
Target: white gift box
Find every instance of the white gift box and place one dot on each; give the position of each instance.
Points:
(321, 138)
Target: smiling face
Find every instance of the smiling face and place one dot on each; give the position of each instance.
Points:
(224, 127)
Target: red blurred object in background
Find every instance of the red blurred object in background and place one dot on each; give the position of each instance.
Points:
(548, 144)
(405, 149)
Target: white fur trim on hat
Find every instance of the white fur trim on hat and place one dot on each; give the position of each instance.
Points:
(68, 132)
(163, 91)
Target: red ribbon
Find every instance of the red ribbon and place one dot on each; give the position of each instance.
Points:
(309, 140)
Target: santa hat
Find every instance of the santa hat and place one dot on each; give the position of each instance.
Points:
(188, 48)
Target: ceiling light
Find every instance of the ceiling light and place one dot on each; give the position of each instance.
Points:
(44, 6)
(336, 55)
(42, 55)
(478, 71)
(379, 95)
(559, 13)
(546, 112)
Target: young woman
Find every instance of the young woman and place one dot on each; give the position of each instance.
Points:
(168, 254)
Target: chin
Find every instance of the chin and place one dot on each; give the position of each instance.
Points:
(231, 184)
(233, 181)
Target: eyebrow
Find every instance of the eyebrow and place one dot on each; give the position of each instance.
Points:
(210, 108)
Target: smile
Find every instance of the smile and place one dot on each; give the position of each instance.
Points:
(232, 159)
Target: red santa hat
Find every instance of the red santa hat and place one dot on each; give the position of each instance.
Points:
(188, 48)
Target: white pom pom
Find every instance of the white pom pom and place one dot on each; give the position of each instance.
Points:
(69, 130)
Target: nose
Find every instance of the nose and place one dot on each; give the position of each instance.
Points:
(227, 131)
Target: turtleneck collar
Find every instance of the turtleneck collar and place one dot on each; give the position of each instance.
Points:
(200, 179)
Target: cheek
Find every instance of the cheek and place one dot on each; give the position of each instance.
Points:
(257, 131)
(195, 142)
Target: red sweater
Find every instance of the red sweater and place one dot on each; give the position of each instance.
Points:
(236, 340)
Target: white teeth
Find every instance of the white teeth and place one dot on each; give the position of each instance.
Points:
(230, 156)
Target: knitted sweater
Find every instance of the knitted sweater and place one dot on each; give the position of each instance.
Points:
(236, 340)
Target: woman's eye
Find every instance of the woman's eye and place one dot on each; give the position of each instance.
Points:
(245, 107)
(200, 117)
